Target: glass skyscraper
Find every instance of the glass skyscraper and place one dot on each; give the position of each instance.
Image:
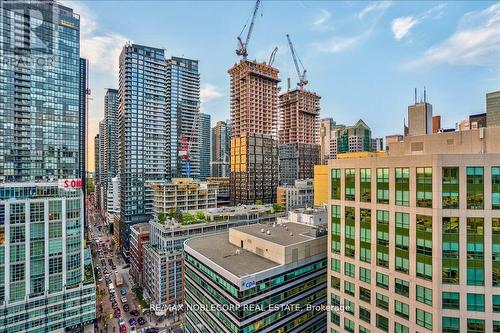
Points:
(46, 277)
(204, 137)
(143, 133)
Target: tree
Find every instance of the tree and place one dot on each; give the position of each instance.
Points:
(90, 185)
(277, 207)
(200, 215)
(259, 202)
(162, 218)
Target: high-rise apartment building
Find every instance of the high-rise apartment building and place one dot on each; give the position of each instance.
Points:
(143, 133)
(350, 139)
(100, 187)
(183, 101)
(271, 279)
(414, 237)
(254, 120)
(377, 144)
(221, 141)
(325, 129)
(493, 108)
(46, 283)
(204, 137)
(111, 148)
(298, 135)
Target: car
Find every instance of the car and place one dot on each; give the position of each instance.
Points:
(114, 304)
(151, 330)
(123, 291)
(133, 329)
(126, 307)
(132, 322)
(126, 266)
(121, 322)
(134, 312)
(123, 299)
(123, 329)
(141, 320)
(117, 313)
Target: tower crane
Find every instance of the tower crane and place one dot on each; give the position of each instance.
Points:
(272, 56)
(187, 142)
(302, 75)
(242, 46)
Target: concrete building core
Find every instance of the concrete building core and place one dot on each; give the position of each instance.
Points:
(420, 118)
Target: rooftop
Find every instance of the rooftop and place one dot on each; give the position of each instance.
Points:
(284, 234)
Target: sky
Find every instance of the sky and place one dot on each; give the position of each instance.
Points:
(363, 58)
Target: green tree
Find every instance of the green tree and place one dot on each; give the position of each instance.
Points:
(200, 215)
(162, 218)
(90, 185)
(277, 207)
(259, 202)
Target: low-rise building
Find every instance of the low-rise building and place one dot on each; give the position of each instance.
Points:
(310, 216)
(258, 278)
(163, 267)
(139, 236)
(321, 178)
(183, 194)
(223, 189)
(296, 196)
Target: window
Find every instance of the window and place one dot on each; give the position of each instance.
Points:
(335, 282)
(383, 185)
(424, 246)
(402, 287)
(450, 194)
(365, 275)
(401, 309)
(382, 281)
(382, 323)
(350, 232)
(335, 265)
(336, 184)
(365, 181)
(424, 187)
(402, 185)
(350, 184)
(402, 231)
(475, 188)
(364, 314)
(475, 251)
(496, 326)
(496, 303)
(363, 329)
(451, 300)
(383, 238)
(349, 288)
(424, 295)
(348, 325)
(424, 319)
(450, 250)
(365, 294)
(495, 188)
(382, 302)
(399, 328)
(365, 235)
(451, 325)
(335, 299)
(475, 302)
(349, 269)
(475, 326)
(349, 306)
(335, 228)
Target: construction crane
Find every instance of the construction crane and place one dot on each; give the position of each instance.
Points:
(302, 75)
(187, 142)
(273, 56)
(242, 46)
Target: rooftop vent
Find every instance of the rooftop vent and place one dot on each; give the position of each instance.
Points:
(291, 234)
(268, 232)
(262, 230)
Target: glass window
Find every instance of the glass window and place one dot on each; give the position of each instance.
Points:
(400, 328)
(451, 188)
(382, 280)
(365, 294)
(383, 185)
(350, 232)
(349, 269)
(424, 187)
(496, 303)
(424, 295)
(424, 319)
(365, 275)
(364, 314)
(402, 184)
(382, 301)
(495, 188)
(336, 184)
(475, 326)
(475, 188)
(401, 309)
(475, 251)
(382, 323)
(365, 178)
(451, 325)
(350, 184)
(451, 300)
(335, 263)
(402, 287)
(335, 228)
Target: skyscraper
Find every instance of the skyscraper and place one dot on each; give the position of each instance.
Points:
(493, 108)
(204, 137)
(221, 142)
(46, 280)
(183, 101)
(420, 117)
(254, 120)
(111, 146)
(103, 171)
(414, 237)
(143, 133)
(325, 131)
(298, 135)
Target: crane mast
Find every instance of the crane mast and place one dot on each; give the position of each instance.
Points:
(242, 46)
(302, 75)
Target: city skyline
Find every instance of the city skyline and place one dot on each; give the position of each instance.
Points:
(341, 44)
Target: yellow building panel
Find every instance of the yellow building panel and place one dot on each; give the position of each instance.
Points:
(321, 185)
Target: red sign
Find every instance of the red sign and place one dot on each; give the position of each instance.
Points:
(70, 183)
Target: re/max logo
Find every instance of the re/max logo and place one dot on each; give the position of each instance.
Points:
(249, 284)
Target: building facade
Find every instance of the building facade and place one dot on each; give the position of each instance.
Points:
(493, 108)
(205, 146)
(183, 194)
(300, 195)
(111, 150)
(223, 189)
(143, 133)
(46, 284)
(420, 118)
(221, 142)
(325, 130)
(350, 139)
(183, 101)
(414, 236)
(249, 281)
(139, 236)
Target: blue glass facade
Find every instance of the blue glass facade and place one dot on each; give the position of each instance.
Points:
(204, 146)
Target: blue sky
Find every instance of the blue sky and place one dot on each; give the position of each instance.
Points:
(364, 58)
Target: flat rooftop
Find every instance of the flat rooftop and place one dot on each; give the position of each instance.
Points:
(217, 249)
(284, 234)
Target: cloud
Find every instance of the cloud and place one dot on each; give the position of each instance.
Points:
(401, 26)
(321, 22)
(209, 92)
(476, 42)
(101, 48)
(379, 6)
(337, 44)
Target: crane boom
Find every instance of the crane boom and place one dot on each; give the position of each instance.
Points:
(272, 56)
(242, 46)
(302, 76)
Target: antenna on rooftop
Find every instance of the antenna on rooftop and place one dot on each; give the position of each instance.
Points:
(415, 95)
(425, 99)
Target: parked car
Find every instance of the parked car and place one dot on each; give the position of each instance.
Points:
(123, 291)
(132, 322)
(151, 330)
(124, 299)
(141, 321)
(134, 312)
(126, 307)
(117, 313)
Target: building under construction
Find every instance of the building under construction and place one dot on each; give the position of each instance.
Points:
(298, 135)
(254, 121)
